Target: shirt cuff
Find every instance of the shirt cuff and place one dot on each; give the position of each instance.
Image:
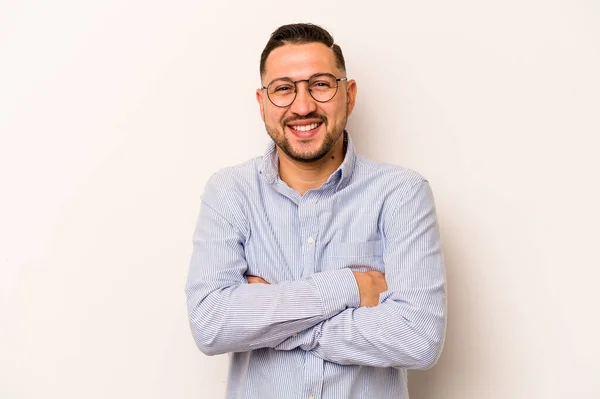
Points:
(338, 289)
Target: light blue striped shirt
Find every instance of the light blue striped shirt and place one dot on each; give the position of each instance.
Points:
(304, 334)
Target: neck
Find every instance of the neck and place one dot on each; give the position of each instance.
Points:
(303, 176)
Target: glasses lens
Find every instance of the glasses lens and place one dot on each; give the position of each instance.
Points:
(323, 87)
(281, 92)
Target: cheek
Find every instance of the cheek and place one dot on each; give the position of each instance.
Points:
(273, 116)
(336, 112)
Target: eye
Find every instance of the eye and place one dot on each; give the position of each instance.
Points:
(322, 83)
(283, 88)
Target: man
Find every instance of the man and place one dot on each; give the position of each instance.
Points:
(318, 270)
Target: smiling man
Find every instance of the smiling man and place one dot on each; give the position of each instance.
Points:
(318, 270)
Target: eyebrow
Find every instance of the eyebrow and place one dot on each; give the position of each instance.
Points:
(297, 80)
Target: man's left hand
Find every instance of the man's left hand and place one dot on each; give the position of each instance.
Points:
(255, 280)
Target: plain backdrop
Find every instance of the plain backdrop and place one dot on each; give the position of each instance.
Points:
(113, 114)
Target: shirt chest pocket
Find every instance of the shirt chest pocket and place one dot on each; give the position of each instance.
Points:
(358, 256)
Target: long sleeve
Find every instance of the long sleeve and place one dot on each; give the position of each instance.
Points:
(228, 315)
(407, 328)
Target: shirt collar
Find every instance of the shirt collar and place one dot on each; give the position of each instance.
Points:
(269, 166)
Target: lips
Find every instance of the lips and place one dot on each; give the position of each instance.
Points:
(306, 130)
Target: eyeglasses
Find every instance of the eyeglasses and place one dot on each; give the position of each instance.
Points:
(321, 86)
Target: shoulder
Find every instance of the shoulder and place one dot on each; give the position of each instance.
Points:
(229, 190)
(404, 195)
(234, 177)
(388, 177)
(230, 187)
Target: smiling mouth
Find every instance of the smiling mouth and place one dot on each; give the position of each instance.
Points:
(305, 128)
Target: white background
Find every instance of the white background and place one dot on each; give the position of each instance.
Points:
(113, 115)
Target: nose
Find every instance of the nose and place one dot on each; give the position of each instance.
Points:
(304, 104)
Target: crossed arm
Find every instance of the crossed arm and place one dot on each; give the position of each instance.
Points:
(341, 316)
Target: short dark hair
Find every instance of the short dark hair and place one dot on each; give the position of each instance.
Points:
(301, 34)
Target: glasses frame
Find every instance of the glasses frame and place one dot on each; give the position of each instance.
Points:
(337, 86)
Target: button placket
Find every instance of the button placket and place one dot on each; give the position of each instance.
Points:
(308, 231)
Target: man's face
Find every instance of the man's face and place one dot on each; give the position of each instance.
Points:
(307, 130)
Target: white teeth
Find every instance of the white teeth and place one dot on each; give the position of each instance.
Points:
(305, 128)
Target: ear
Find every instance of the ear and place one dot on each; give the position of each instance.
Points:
(261, 104)
(351, 89)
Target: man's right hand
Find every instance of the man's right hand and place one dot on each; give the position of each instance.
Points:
(370, 285)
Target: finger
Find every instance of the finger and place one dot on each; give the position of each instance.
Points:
(255, 280)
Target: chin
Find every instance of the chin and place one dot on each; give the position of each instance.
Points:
(307, 156)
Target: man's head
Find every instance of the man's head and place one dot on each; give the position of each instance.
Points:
(312, 125)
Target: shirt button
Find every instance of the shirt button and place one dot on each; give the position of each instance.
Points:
(294, 335)
(310, 241)
(311, 397)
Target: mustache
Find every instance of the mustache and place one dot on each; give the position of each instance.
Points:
(312, 115)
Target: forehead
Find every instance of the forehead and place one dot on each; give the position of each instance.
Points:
(299, 61)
